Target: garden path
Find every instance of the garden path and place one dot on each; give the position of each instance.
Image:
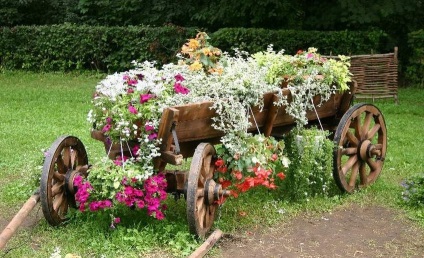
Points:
(355, 231)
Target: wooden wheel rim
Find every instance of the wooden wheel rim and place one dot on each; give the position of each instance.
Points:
(200, 215)
(65, 156)
(360, 147)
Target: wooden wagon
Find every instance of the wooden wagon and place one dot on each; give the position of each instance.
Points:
(359, 135)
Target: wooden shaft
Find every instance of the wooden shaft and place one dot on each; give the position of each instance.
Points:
(207, 245)
(14, 224)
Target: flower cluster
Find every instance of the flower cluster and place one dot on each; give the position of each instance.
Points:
(200, 55)
(306, 75)
(130, 192)
(297, 69)
(259, 163)
(127, 109)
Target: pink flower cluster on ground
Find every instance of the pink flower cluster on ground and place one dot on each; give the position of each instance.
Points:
(150, 197)
(83, 193)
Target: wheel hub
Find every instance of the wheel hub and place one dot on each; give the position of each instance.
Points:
(69, 180)
(367, 150)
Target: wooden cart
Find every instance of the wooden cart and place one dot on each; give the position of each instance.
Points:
(359, 135)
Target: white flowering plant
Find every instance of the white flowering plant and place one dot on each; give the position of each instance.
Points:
(127, 108)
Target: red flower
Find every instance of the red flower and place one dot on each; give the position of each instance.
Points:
(219, 163)
(222, 169)
(281, 175)
(224, 183)
(238, 174)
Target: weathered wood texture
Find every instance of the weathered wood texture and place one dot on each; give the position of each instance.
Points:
(195, 119)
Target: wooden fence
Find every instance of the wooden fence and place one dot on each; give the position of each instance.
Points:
(376, 75)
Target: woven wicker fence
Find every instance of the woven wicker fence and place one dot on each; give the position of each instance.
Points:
(376, 75)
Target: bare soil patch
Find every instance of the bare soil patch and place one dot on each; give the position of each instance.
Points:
(371, 231)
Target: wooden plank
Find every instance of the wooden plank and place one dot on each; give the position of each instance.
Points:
(271, 116)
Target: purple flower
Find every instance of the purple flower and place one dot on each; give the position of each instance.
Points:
(153, 136)
(109, 120)
(179, 88)
(140, 76)
(132, 82)
(179, 78)
(135, 149)
(148, 127)
(145, 97)
(132, 109)
(106, 128)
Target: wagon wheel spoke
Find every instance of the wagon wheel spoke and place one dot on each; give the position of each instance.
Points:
(201, 210)
(57, 188)
(357, 128)
(363, 174)
(349, 151)
(200, 192)
(352, 138)
(354, 174)
(74, 156)
(366, 124)
(371, 133)
(61, 167)
(208, 217)
(66, 156)
(59, 200)
(58, 176)
(351, 161)
(372, 164)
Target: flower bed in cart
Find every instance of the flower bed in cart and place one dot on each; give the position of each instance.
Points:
(127, 108)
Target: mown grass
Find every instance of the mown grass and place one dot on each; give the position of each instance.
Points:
(35, 109)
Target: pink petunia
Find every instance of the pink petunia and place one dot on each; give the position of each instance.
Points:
(148, 127)
(179, 88)
(145, 97)
(153, 136)
(179, 78)
(132, 82)
(132, 109)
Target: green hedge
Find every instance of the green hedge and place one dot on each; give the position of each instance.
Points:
(71, 47)
(328, 42)
(415, 68)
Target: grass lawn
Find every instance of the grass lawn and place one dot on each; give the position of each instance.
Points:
(35, 109)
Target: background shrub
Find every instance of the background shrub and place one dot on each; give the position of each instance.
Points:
(327, 42)
(415, 67)
(70, 47)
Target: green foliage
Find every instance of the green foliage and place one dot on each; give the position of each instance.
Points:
(70, 47)
(413, 193)
(415, 68)
(311, 165)
(333, 42)
(37, 108)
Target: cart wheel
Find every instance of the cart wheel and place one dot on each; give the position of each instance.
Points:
(361, 141)
(65, 159)
(200, 190)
